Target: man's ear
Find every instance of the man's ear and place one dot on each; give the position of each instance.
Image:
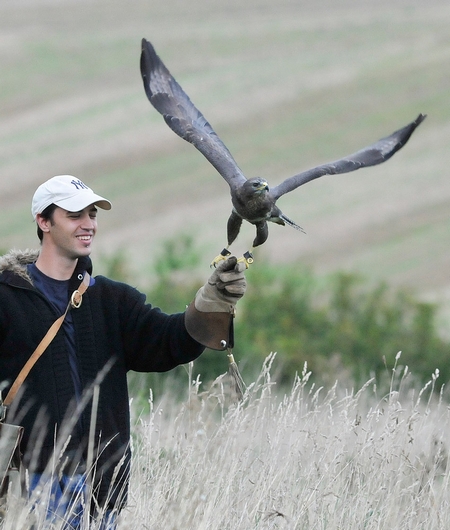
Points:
(44, 224)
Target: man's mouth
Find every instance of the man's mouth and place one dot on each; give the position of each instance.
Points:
(84, 238)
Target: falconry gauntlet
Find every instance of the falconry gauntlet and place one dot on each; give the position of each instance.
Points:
(209, 317)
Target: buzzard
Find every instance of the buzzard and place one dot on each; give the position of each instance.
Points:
(253, 199)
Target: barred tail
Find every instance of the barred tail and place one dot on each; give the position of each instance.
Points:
(290, 222)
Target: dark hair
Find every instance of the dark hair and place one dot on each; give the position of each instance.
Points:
(46, 214)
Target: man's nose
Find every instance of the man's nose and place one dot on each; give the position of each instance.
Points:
(88, 222)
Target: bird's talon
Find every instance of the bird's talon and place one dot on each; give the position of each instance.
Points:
(216, 261)
(247, 258)
(221, 257)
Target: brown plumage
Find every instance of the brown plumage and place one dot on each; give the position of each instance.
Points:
(252, 199)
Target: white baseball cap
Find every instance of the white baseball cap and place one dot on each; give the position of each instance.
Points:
(67, 192)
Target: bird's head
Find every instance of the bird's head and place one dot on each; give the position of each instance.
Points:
(257, 186)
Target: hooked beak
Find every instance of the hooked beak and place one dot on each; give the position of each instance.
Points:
(263, 186)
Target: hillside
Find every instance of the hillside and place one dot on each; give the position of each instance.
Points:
(286, 85)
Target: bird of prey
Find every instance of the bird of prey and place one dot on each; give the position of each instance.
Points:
(253, 199)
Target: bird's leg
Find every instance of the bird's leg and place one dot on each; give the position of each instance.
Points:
(222, 256)
(247, 258)
(262, 232)
(233, 226)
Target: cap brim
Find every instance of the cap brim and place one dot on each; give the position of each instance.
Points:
(82, 201)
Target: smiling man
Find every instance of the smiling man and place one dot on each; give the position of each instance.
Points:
(115, 327)
(65, 210)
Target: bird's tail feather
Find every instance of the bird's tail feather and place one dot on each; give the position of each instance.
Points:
(290, 222)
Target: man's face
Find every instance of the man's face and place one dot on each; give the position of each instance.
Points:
(71, 234)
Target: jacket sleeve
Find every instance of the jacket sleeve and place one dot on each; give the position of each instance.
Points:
(154, 341)
(213, 329)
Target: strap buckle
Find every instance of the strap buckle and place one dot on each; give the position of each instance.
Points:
(76, 299)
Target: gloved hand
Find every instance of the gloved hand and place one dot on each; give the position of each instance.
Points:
(224, 288)
(209, 318)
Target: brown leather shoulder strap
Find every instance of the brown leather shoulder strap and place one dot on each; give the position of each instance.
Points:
(75, 301)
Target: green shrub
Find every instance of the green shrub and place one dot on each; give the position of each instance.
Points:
(341, 326)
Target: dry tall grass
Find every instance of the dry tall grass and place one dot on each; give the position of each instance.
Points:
(313, 459)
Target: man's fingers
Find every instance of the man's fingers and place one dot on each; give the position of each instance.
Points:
(227, 265)
(235, 288)
(235, 273)
(230, 276)
(240, 266)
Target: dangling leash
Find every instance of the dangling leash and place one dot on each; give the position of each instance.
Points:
(11, 435)
(233, 370)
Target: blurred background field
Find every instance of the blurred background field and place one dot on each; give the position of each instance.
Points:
(286, 85)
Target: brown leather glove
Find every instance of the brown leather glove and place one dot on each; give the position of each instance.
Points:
(209, 318)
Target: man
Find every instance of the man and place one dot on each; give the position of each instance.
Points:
(113, 330)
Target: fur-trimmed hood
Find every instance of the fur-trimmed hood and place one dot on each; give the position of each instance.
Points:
(16, 261)
(13, 266)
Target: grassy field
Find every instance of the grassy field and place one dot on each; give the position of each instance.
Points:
(341, 459)
(286, 85)
(369, 458)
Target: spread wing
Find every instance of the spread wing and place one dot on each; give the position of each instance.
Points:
(181, 115)
(372, 155)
